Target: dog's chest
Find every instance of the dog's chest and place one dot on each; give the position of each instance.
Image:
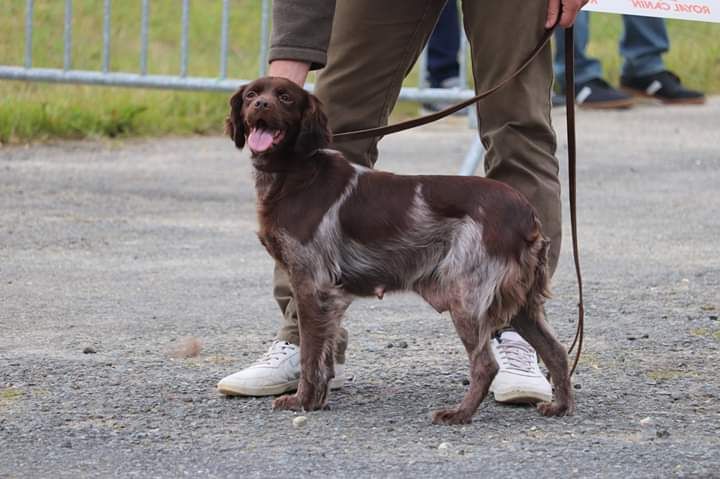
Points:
(284, 231)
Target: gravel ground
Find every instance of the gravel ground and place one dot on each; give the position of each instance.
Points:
(112, 255)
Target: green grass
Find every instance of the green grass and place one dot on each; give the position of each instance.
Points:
(37, 111)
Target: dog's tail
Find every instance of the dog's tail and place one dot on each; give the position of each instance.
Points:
(525, 284)
(539, 279)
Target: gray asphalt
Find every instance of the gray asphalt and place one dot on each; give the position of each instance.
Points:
(130, 247)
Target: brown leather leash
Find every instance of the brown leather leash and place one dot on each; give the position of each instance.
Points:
(570, 114)
(572, 182)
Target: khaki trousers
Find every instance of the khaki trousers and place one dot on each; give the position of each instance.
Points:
(374, 45)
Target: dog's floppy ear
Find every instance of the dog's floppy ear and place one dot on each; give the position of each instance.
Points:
(234, 123)
(314, 133)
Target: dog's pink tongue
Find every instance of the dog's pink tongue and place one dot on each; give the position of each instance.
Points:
(260, 139)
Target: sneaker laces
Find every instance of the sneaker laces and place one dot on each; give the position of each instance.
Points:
(277, 351)
(517, 355)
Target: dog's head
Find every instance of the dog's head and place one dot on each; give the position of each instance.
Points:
(277, 119)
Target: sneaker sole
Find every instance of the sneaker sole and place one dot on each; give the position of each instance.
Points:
(274, 390)
(608, 105)
(667, 101)
(521, 397)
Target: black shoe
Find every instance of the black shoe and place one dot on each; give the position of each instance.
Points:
(664, 86)
(597, 93)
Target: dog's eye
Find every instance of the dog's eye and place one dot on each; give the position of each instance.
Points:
(285, 98)
(250, 94)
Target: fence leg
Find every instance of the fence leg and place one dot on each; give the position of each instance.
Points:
(472, 158)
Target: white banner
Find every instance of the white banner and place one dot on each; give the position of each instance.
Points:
(701, 10)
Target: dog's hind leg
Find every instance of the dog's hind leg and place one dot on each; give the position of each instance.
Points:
(475, 334)
(319, 312)
(532, 326)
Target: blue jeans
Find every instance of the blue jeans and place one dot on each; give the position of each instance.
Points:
(643, 42)
(443, 47)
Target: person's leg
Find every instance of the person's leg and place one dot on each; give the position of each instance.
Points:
(516, 130)
(515, 124)
(586, 68)
(373, 46)
(443, 47)
(642, 45)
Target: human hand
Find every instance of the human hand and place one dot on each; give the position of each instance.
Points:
(293, 70)
(570, 9)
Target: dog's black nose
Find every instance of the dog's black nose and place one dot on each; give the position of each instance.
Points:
(262, 103)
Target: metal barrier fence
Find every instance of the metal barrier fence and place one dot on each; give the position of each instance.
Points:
(182, 81)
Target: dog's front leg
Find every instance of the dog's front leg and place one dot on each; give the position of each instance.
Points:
(319, 314)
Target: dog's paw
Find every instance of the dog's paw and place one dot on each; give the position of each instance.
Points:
(451, 416)
(289, 402)
(556, 409)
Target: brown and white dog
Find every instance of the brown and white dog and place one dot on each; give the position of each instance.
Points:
(467, 245)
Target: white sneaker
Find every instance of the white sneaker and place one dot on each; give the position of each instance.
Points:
(276, 372)
(519, 379)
